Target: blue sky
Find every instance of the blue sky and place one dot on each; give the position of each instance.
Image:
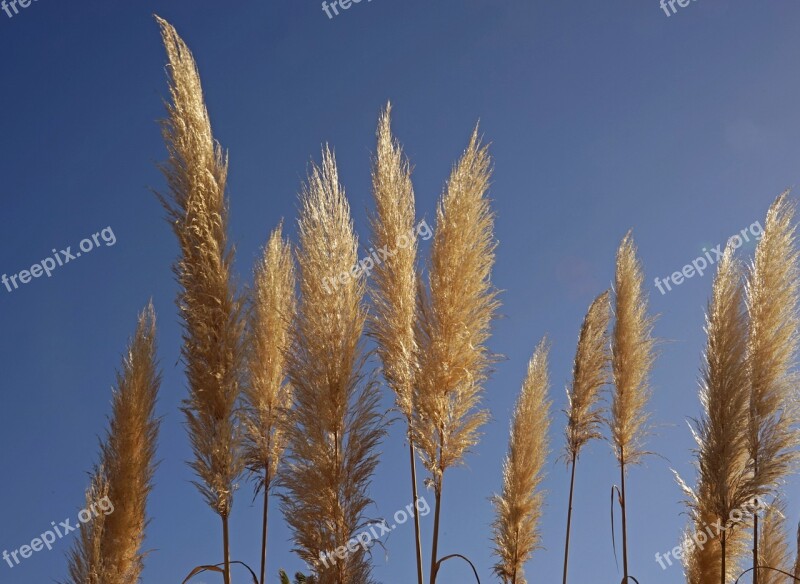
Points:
(602, 117)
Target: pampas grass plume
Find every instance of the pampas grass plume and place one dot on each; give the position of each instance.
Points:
(109, 549)
(335, 424)
(589, 375)
(518, 509)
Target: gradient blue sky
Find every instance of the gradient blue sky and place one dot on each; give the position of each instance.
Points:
(603, 116)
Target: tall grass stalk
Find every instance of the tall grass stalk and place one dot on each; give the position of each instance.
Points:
(772, 301)
(395, 286)
(335, 424)
(267, 394)
(633, 355)
(589, 375)
(109, 549)
(196, 206)
(724, 484)
(518, 508)
(455, 317)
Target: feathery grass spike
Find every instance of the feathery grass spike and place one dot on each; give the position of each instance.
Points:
(454, 324)
(632, 356)
(394, 293)
(335, 423)
(722, 458)
(268, 394)
(196, 173)
(589, 375)
(109, 550)
(772, 300)
(518, 509)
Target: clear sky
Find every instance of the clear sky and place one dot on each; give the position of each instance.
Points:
(602, 116)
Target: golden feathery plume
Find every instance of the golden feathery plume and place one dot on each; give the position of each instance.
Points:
(394, 293)
(129, 452)
(196, 173)
(632, 357)
(589, 375)
(335, 425)
(111, 546)
(773, 548)
(518, 509)
(724, 484)
(267, 394)
(772, 300)
(455, 318)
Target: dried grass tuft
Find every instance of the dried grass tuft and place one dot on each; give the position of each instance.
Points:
(589, 375)
(268, 395)
(196, 206)
(518, 508)
(455, 318)
(724, 484)
(772, 301)
(109, 550)
(633, 355)
(394, 292)
(335, 423)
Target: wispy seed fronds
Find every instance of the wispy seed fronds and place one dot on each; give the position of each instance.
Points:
(109, 550)
(128, 455)
(518, 509)
(394, 293)
(772, 301)
(589, 375)
(268, 394)
(196, 173)
(335, 425)
(722, 459)
(633, 354)
(721, 437)
(455, 317)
